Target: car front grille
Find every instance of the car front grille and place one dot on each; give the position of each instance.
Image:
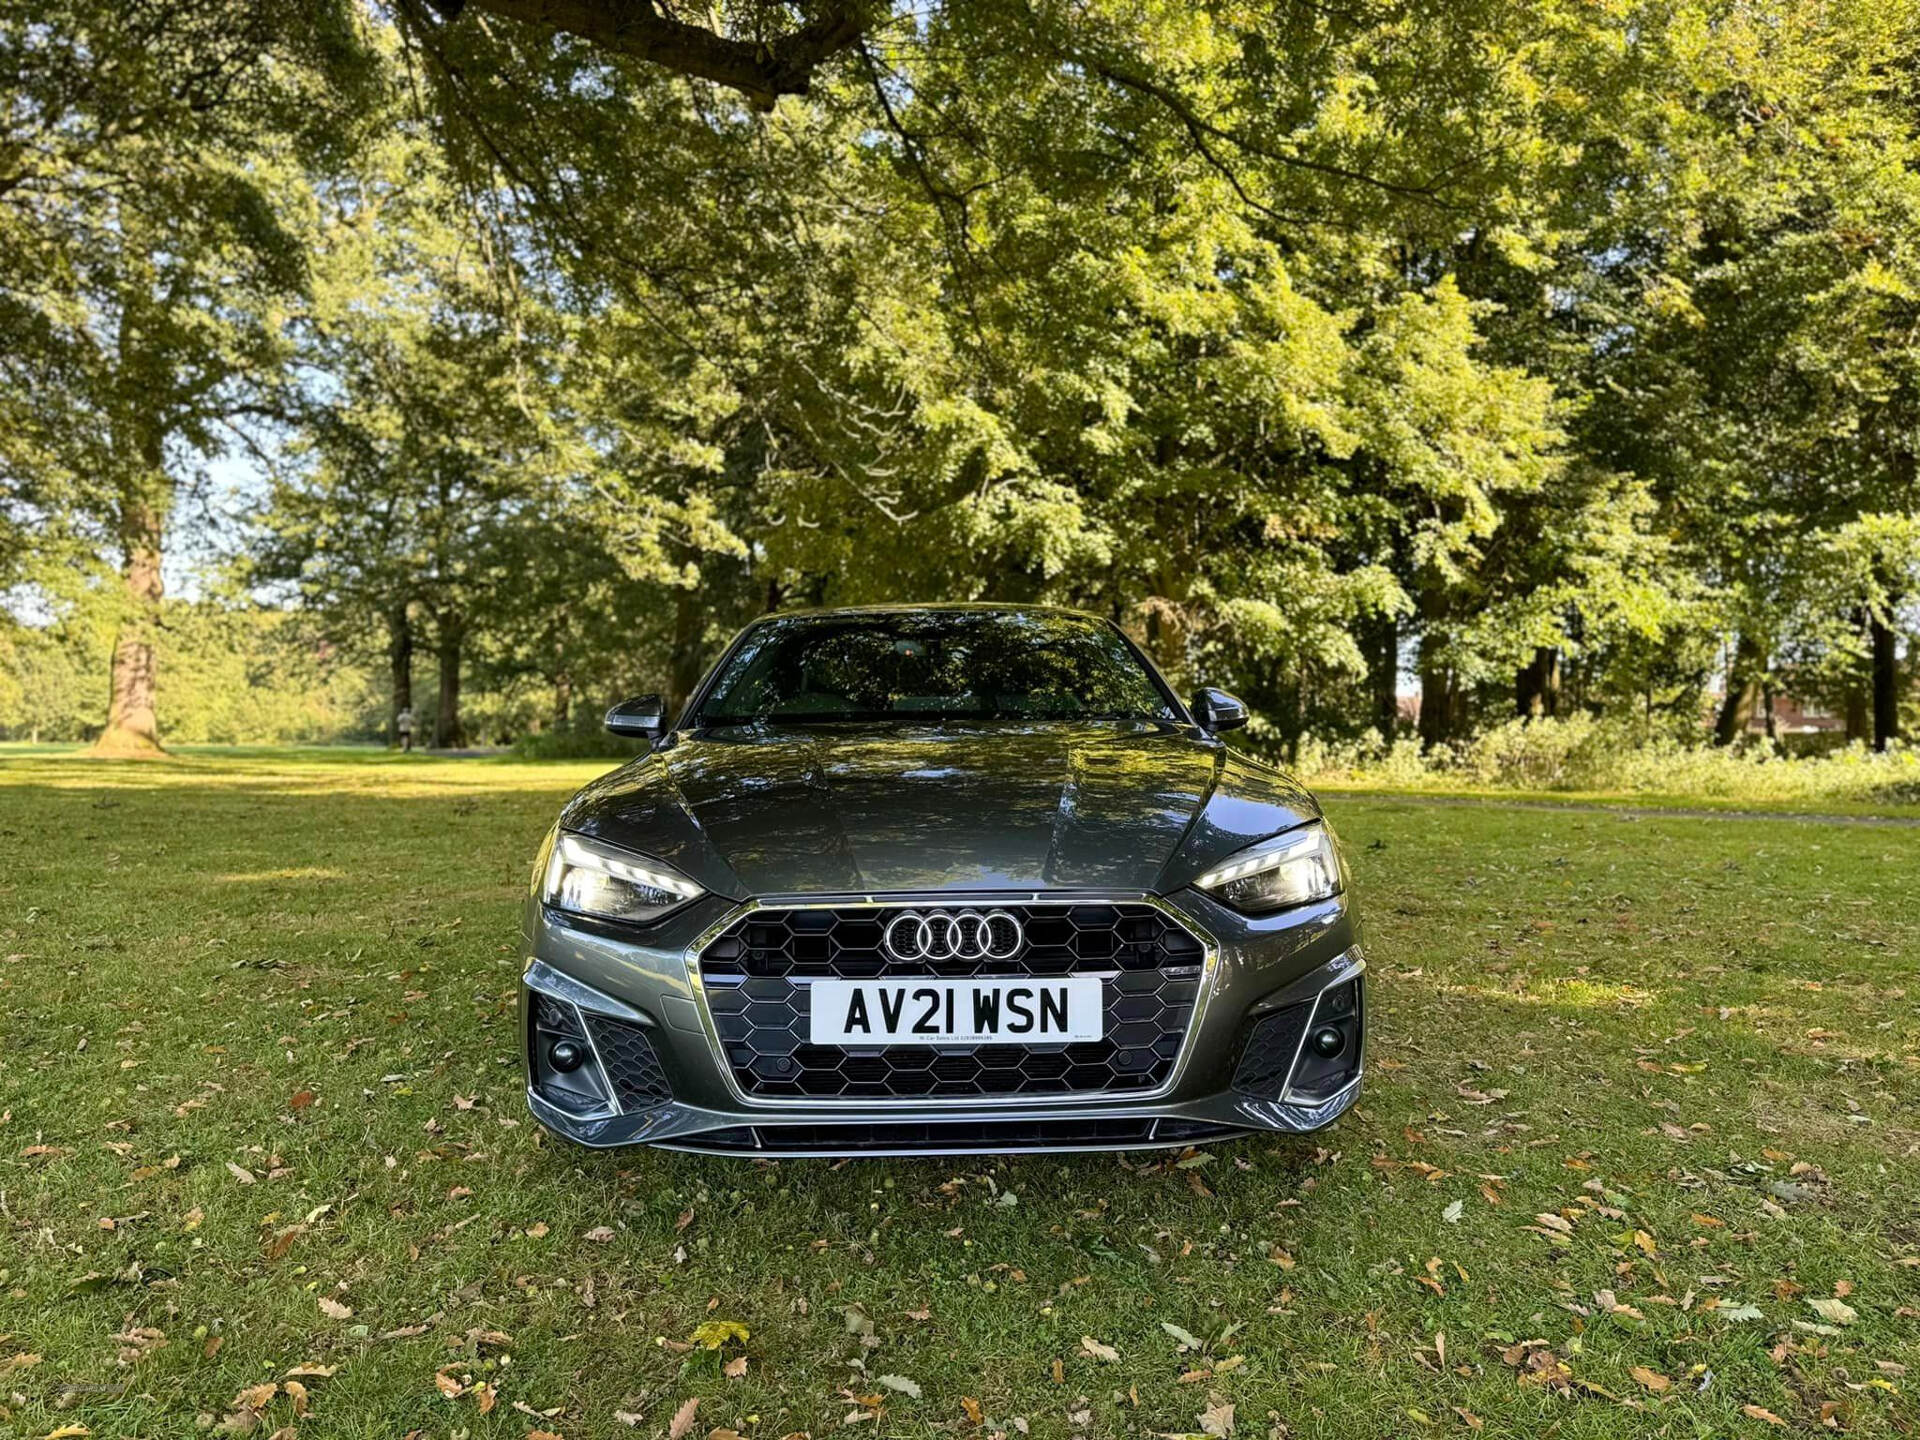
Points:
(757, 978)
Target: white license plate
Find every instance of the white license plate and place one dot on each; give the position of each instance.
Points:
(864, 1013)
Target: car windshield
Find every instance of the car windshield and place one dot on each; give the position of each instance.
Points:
(933, 665)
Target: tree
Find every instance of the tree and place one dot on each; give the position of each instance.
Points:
(151, 153)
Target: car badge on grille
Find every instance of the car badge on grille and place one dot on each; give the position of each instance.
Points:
(955, 935)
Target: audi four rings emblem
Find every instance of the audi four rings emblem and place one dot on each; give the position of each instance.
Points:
(955, 935)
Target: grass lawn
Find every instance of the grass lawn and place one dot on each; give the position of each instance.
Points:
(1639, 1154)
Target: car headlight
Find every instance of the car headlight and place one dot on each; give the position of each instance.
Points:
(590, 877)
(1296, 868)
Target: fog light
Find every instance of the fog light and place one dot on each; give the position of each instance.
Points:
(1328, 1042)
(566, 1056)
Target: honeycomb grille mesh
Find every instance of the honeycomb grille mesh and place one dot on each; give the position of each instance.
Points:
(631, 1064)
(756, 976)
(1267, 1056)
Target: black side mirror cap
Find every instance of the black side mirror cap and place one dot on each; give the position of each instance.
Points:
(644, 717)
(1216, 710)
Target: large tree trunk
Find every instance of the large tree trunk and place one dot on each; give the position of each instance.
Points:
(1886, 683)
(1745, 679)
(562, 700)
(1439, 697)
(686, 663)
(1383, 677)
(400, 663)
(133, 726)
(450, 631)
(1440, 700)
(1536, 690)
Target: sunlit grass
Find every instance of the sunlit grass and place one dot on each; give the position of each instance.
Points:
(303, 965)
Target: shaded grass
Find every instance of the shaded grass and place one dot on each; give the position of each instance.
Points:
(304, 965)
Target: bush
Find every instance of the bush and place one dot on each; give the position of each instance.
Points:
(1585, 753)
(577, 742)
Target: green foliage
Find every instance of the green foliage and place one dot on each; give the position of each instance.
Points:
(1312, 344)
(229, 675)
(1618, 757)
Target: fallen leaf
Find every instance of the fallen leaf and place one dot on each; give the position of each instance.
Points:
(334, 1310)
(683, 1420)
(1098, 1351)
(240, 1173)
(1756, 1412)
(1652, 1379)
(1217, 1418)
(735, 1368)
(600, 1234)
(972, 1408)
(1838, 1311)
(1185, 1338)
(712, 1334)
(901, 1384)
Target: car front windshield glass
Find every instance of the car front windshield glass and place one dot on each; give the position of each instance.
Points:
(933, 665)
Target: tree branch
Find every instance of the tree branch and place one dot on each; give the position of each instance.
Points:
(760, 69)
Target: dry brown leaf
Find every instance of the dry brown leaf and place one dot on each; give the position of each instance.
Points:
(682, 1420)
(334, 1310)
(600, 1234)
(1757, 1412)
(1097, 1350)
(240, 1173)
(1652, 1379)
(735, 1368)
(972, 1408)
(256, 1397)
(1217, 1418)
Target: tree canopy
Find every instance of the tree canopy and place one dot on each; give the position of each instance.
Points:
(1559, 355)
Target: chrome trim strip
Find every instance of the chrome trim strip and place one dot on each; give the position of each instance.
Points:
(1209, 972)
(1288, 1095)
(543, 977)
(570, 992)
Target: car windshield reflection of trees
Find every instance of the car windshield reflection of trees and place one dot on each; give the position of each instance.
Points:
(926, 669)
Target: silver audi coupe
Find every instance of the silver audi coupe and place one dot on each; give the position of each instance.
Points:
(938, 879)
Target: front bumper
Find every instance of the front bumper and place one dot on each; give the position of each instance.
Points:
(642, 995)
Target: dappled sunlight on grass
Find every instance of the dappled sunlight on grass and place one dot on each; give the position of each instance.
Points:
(308, 971)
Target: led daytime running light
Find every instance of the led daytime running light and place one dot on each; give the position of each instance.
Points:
(1271, 860)
(571, 852)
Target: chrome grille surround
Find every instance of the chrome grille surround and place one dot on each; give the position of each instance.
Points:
(1144, 986)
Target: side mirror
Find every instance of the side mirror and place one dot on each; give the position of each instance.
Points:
(644, 717)
(1216, 710)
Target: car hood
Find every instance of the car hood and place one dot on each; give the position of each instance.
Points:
(865, 809)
